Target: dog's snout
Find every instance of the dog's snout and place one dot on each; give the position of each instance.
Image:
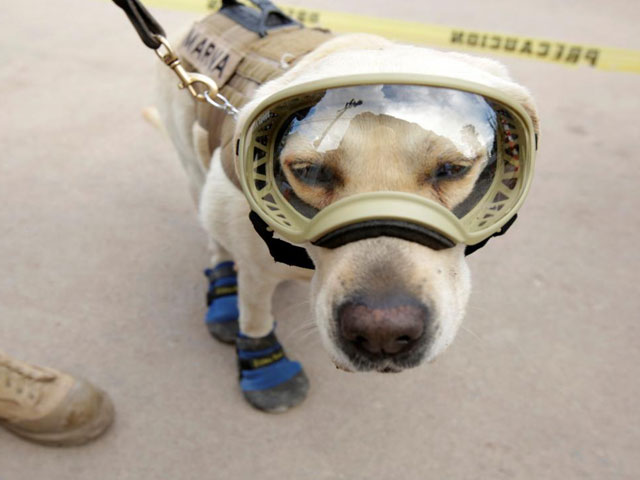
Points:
(382, 328)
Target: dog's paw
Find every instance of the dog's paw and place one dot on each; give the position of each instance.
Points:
(222, 299)
(269, 380)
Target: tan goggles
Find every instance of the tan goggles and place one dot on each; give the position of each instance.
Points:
(456, 161)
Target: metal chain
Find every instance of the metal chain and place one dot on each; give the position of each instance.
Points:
(225, 106)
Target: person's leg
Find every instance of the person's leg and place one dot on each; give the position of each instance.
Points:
(50, 407)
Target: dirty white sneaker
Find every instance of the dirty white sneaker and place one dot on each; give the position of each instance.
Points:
(50, 407)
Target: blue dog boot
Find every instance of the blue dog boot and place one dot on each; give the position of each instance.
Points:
(268, 379)
(222, 299)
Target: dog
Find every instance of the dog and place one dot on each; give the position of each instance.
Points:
(380, 304)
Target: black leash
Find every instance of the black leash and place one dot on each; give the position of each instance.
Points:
(147, 27)
(266, 17)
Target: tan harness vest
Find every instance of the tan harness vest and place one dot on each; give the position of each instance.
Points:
(239, 61)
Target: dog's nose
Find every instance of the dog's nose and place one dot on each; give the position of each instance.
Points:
(382, 327)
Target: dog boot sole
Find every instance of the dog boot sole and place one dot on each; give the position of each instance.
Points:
(282, 397)
(224, 332)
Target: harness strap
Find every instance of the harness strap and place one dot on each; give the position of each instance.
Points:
(268, 17)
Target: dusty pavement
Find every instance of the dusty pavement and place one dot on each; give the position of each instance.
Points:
(101, 254)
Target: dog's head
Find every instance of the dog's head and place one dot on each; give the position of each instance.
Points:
(386, 303)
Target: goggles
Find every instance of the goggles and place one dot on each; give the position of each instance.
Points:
(434, 160)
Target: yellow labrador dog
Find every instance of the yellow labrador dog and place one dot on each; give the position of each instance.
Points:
(382, 303)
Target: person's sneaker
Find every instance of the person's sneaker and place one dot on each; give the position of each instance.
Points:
(50, 407)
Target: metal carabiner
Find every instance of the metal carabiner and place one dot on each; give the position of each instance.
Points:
(187, 79)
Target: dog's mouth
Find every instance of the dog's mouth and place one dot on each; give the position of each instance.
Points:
(356, 362)
(386, 367)
(390, 369)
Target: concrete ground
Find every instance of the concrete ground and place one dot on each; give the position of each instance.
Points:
(101, 257)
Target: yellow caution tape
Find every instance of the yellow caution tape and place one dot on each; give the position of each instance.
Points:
(569, 54)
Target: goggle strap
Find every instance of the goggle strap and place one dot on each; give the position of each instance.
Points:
(281, 251)
(385, 228)
(284, 252)
(472, 248)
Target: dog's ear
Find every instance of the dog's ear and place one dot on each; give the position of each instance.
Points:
(524, 98)
(519, 93)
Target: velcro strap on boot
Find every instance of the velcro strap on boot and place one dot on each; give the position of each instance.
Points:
(222, 270)
(221, 291)
(262, 363)
(222, 281)
(259, 359)
(249, 344)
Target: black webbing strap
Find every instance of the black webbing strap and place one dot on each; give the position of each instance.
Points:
(384, 228)
(280, 250)
(258, 20)
(220, 272)
(472, 248)
(284, 252)
(270, 351)
(224, 271)
(144, 23)
(263, 361)
(221, 291)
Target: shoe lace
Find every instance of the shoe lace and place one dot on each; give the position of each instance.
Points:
(22, 383)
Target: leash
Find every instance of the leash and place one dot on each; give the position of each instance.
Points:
(153, 36)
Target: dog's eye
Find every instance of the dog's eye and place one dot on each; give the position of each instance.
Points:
(313, 174)
(449, 171)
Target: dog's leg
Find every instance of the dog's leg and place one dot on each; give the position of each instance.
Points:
(222, 314)
(268, 379)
